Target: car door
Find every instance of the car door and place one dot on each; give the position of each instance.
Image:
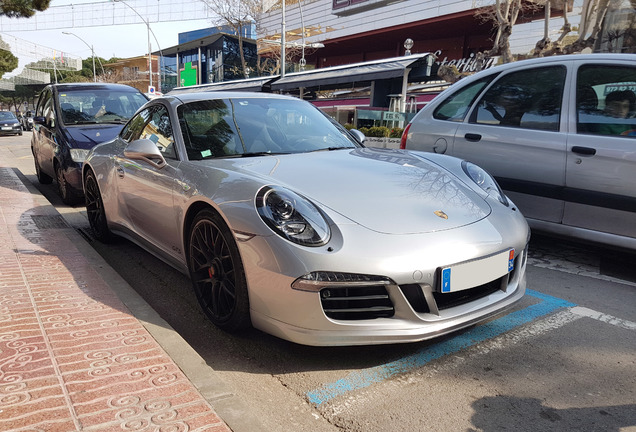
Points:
(145, 190)
(601, 157)
(44, 136)
(514, 131)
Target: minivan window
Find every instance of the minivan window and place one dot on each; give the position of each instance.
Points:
(86, 105)
(528, 99)
(606, 100)
(456, 106)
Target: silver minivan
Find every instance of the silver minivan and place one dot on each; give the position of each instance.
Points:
(559, 135)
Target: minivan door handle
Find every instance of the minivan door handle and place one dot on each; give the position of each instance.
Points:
(472, 137)
(588, 151)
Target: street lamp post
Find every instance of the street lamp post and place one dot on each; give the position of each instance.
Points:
(149, 46)
(282, 43)
(92, 52)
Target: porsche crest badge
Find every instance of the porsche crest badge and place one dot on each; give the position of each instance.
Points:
(441, 214)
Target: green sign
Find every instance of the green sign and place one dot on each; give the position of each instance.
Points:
(189, 74)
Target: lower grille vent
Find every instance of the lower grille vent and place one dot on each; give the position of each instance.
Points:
(356, 303)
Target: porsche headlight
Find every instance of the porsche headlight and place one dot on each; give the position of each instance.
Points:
(484, 181)
(292, 216)
(79, 155)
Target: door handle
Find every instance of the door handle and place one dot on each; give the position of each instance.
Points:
(588, 151)
(120, 171)
(472, 137)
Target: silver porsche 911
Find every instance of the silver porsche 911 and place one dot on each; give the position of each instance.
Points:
(285, 222)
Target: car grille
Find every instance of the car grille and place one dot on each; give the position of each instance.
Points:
(355, 297)
(356, 303)
(415, 296)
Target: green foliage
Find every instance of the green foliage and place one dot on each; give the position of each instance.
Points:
(22, 8)
(396, 133)
(348, 126)
(364, 130)
(378, 132)
(8, 61)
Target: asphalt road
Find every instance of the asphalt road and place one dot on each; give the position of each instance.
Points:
(564, 359)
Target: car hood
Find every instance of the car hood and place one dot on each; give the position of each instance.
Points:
(9, 122)
(388, 191)
(88, 136)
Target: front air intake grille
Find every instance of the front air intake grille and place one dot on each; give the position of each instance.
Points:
(452, 299)
(356, 303)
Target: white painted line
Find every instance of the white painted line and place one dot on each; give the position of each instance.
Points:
(589, 313)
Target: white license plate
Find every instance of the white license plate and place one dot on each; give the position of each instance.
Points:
(478, 272)
(7, 128)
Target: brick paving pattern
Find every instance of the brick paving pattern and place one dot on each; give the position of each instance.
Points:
(72, 358)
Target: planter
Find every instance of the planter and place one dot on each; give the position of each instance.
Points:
(391, 143)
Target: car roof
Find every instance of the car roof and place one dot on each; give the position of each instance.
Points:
(102, 86)
(208, 95)
(603, 57)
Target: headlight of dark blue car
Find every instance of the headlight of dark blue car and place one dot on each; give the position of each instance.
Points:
(292, 216)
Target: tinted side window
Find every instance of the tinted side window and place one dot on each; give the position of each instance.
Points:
(159, 130)
(456, 106)
(528, 99)
(606, 100)
(133, 129)
(208, 129)
(39, 111)
(48, 111)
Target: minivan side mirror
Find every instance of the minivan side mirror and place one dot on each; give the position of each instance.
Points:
(39, 120)
(359, 136)
(145, 150)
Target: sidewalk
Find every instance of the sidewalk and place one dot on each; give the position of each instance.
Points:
(72, 355)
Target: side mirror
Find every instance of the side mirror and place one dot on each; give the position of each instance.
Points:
(39, 120)
(359, 136)
(145, 150)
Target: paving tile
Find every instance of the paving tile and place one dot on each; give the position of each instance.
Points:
(72, 357)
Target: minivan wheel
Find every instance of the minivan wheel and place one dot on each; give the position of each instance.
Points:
(68, 197)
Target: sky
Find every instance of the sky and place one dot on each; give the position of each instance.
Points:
(107, 41)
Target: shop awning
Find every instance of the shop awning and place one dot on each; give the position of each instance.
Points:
(358, 73)
(251, 84)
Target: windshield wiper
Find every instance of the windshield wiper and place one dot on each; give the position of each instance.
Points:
(330, 149)
(262, 153)
(114, 121)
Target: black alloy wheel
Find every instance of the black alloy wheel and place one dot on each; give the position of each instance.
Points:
(95, 209)
(217, 272)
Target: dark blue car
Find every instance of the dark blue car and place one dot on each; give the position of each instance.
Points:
(70, 119)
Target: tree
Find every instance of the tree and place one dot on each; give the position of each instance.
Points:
(22, 8)
(8, 61)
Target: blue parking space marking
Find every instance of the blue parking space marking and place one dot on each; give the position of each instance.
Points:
(361, 379)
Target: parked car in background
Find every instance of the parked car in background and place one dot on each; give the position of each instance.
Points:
(558, 134)
(70, 119)
(285, 222)
(27, 121)
(9, 124)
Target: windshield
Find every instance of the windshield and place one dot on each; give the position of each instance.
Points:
(88, 105)
(257, 126)
(7, 115)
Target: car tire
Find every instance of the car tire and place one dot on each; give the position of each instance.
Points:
(95, 209)
(217, 273)
(67, 195)
(42, 178)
